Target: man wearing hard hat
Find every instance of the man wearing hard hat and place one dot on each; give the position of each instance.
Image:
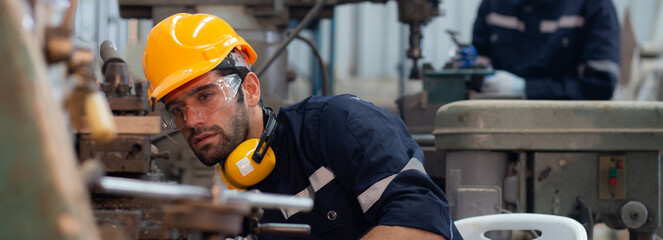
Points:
(356, 161)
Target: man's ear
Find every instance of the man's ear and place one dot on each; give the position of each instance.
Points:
(251, 88)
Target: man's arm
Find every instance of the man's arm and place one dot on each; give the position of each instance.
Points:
(398, 232)
(481, 32)
(374, 158)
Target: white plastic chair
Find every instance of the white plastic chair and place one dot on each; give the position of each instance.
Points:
(552, 227)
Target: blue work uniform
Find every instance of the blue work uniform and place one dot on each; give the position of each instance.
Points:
(564, 49)
(361, 167)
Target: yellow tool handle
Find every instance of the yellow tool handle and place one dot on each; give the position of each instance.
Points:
(99, 117)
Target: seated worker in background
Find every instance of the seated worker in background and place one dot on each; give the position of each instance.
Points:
(550, 49)
(356, 161)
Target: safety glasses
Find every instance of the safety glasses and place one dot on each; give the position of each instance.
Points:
(203, 101)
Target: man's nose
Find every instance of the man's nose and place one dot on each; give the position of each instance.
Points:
(192, 117)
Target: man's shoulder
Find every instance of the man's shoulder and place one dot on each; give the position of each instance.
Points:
(343, 103)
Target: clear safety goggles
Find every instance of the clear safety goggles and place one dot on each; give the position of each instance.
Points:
(203, 101)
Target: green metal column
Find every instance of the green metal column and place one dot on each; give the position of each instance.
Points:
(41, 194)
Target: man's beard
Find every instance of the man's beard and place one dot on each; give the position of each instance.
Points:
(217, 153)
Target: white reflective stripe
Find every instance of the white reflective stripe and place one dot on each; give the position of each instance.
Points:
(414, 164)
(318, 179)
(571, 21)
(374, 192)
(509, 22)
(551, 26)
(306, 193)
(604, 66)
(548, 26)
(287, 212)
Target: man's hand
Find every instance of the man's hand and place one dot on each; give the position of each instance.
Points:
(504, 83)
(399, 232)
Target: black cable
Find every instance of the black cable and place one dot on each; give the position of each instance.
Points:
(305, 22)
(325, 78)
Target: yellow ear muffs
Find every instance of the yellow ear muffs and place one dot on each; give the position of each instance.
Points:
(253, 160)
(241, 171)
(219, 170)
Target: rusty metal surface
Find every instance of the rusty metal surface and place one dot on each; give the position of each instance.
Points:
(207, 216)
(128, 153)
(128, 104)
(478, 200)
(474, 189)
(549, 125)
(125, 222)
(114, 202)
(150, 215)
(192, 208)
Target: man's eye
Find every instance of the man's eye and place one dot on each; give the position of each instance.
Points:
(205, 96)
(176, 110)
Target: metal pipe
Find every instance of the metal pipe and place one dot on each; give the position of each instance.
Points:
(108, 51)
(283, 229)
(424, 139)
(415, 49)
(133, 187)
(305, 22)
(270, 200)
(109, 54)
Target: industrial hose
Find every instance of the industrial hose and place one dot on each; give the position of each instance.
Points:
(305, 22)
(325, 78)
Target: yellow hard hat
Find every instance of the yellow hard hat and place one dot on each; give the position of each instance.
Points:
(185, 46)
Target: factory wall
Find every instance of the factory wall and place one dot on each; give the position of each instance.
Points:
(364, 42)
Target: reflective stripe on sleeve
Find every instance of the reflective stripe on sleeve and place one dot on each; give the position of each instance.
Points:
(509, 22)
(551, 26)
(373, 193)
(604, 66)
(318, 179)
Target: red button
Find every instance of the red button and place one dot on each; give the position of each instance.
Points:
(620, 164)
(613, 182)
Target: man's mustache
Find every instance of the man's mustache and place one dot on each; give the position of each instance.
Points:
(203, 129)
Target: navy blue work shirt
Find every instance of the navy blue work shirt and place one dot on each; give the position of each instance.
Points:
(361, 167)
(564, 49)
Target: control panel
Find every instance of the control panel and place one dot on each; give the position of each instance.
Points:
(612, 177)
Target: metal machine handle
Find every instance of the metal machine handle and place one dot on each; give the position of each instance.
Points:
(283, 229)
(271, 200)
(133, 187)
(109, 54)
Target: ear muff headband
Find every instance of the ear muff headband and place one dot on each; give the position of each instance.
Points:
(252, 160)
(267, 135)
